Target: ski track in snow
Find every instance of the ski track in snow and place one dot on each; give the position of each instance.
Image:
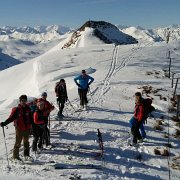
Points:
(115, 66)
(107, 79)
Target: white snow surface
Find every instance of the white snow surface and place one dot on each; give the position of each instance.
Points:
(119, 71)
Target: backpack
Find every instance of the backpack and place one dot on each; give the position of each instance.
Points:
(60, 91)
(56, 87)
(148, 108)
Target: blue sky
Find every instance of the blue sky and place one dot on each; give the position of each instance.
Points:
(73, 13)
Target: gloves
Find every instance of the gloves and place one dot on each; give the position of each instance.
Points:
(3, 124)
(57, 99)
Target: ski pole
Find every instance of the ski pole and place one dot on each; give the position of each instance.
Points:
(6, 148)
(49, 130)
(100, 142)
(91, 94)
(71, 105)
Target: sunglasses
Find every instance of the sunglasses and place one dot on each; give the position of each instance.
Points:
(23, 100)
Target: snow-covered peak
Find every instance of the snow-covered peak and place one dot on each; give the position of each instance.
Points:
(106, 32)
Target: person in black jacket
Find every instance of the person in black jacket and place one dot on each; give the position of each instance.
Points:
(61, 94)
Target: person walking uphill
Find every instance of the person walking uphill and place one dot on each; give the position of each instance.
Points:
(22, 118)
(61, 94)
(138, 119)
(83, 82)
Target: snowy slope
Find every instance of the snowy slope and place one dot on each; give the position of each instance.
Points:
(25, 50)
(119, 72)
(24, 43)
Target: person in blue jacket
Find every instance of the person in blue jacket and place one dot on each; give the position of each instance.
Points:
(83, 82)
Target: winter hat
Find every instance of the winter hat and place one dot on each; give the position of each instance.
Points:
(23, 97)
(44, 94)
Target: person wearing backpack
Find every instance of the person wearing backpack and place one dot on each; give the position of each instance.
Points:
(83, 82)
(137, 120)
(39, 126)
(61, 95)
(48, 107)
(148, 108)
(22, 117)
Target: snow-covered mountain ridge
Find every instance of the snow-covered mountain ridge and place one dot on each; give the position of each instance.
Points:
(34, 34)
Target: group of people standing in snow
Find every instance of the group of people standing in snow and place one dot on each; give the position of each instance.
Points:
(35, 115)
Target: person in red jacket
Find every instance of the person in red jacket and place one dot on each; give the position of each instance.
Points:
(48, 107)
(138, 118)
(39, 126)
(22, 117)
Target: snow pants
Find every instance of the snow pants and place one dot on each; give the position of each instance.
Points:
(135, 132)
(38, 131)
(61, 101)
(83, 96)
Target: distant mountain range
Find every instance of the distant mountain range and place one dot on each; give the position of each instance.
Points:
(34, 34)
(49, 33)
(156, 35)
